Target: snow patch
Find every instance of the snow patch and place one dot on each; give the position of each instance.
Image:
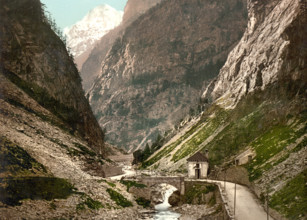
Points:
(83, 35)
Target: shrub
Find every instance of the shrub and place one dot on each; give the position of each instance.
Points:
(143, 202)
(194, 194)
(119, 199)
(129, 184)
(12, 190)
(15, 160)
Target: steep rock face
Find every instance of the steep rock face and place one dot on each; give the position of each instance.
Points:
(91, 67)
(46, 125)
(269, 51)
(49, 139)
(154, 73)
(82, 36)
(36, 151)
(35, 59)
(134, 8)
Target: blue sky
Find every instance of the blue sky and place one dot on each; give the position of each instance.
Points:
(68, 12)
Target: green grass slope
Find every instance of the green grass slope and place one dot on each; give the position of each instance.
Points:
(272, 126)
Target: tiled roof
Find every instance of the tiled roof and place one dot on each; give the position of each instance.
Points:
(198, 157)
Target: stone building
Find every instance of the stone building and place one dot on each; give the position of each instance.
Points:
(245, 157)
(198, 166)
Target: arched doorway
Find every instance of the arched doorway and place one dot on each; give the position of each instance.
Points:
(197, 171)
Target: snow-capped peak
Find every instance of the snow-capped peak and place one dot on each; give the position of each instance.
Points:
(83, 35)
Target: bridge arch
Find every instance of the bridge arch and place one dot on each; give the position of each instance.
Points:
(177, 182)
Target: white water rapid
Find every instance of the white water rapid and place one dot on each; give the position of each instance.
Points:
(162, 212)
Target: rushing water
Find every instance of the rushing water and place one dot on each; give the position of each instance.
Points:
(162, 209)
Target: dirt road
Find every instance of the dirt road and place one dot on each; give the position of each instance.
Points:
(247, 205)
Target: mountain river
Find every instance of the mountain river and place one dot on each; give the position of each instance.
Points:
(162, 209)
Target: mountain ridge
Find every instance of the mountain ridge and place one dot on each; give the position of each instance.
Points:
(83, 35)
(91, 66)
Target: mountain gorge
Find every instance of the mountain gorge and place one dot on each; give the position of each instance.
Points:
(154, 73)
(234, 70)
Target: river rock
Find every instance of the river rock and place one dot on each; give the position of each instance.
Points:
(174, 199)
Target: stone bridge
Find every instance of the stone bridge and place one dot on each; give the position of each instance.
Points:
(183, 184)
(177, 182)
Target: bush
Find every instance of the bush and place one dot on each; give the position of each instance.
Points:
(15, 160)
(12, 190)
(90, 203)
(141, 156)
(129, 184)
(143, 202)
(119, 199)
(194, 195)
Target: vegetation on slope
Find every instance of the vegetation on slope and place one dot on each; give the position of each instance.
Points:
(169, 148)
(23, 177)
(268, 127)
(119, 199)
(89, 202)
(130, 184)
(291, 200)
(143, 202)
(15, 161)
(141, 155)
(269, 144)
(209, 126)
(65, 113)
(198, 194)
(12, 190)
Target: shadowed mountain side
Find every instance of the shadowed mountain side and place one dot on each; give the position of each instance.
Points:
(35, 59)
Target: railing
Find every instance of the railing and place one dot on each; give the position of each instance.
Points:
(225, 202)
(222, 193)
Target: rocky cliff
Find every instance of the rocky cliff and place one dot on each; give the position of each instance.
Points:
(153, 74)
(91, 67)
(35, 59)
(50, 142)
(134, 8)
(269, 39)
(256, 107)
